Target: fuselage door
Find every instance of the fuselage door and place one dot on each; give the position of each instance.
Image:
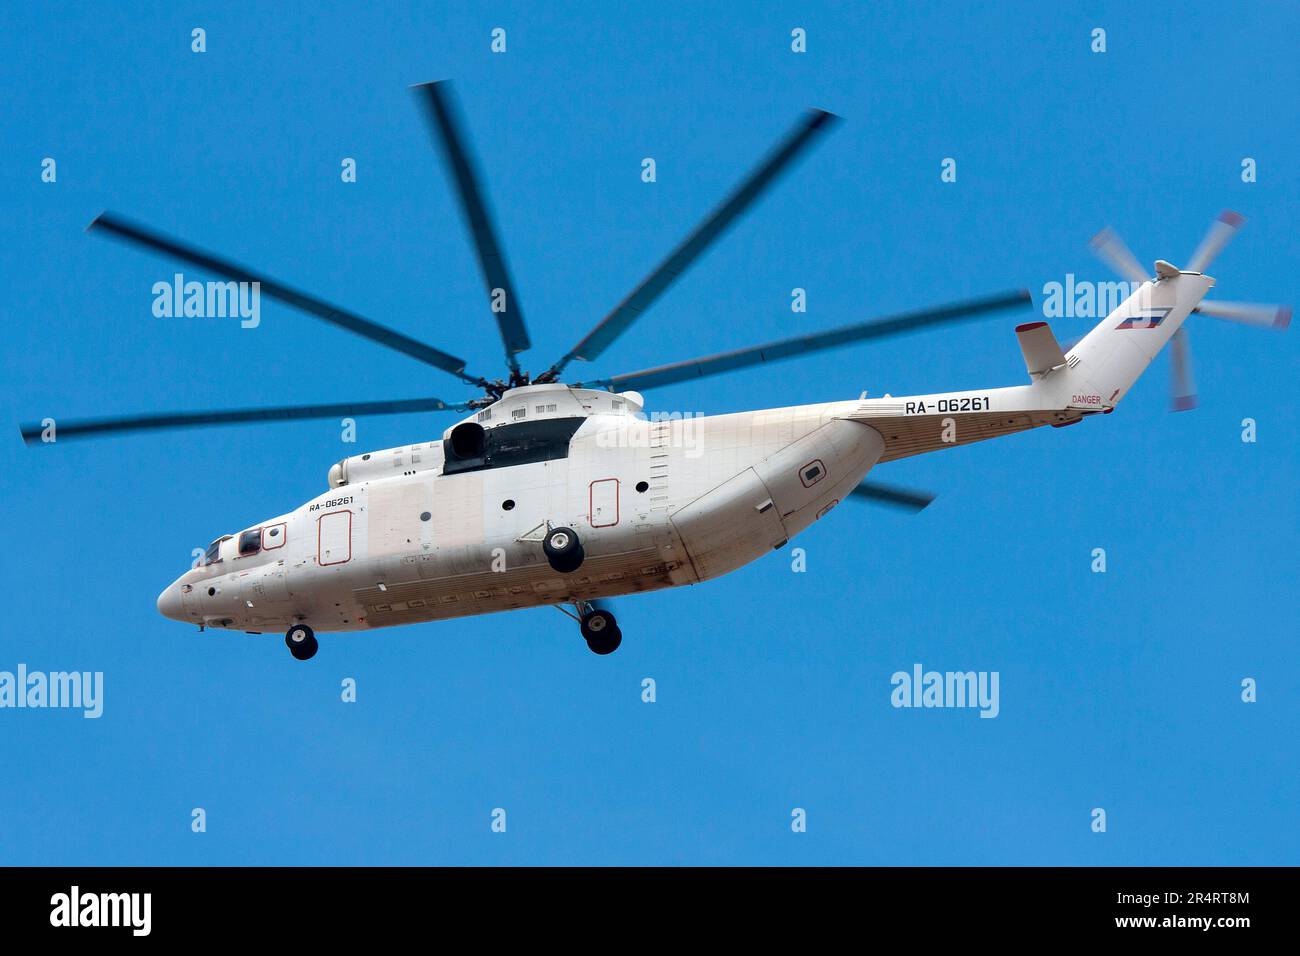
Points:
(604, 503)
(334, 538)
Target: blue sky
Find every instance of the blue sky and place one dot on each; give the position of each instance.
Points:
(1118, 690)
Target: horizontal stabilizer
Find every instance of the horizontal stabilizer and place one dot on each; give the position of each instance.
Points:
(1041, 350)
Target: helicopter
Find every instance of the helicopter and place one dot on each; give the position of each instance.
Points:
(568, 494)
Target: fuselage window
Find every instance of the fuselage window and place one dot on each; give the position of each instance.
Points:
(250, 542)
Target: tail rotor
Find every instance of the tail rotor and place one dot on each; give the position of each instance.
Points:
(1110, 249)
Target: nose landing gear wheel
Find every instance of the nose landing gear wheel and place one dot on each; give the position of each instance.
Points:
(563, 550)
(301, 641)
(600, 631)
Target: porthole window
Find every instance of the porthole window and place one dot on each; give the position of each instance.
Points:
(425, 516)
(274, 532)
(812, 472)
(212, 592)
(508, 504)
(642, 486)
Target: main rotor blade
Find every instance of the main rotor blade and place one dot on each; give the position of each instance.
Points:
(697, 243)
(1181, 382)
(802, 344)
(441, 113)
(1248, 313)
(1219, 235)
(150, 239)
(87, 427)
(893, 495)
(1110, 249)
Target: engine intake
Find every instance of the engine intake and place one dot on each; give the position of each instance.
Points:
(467, 441)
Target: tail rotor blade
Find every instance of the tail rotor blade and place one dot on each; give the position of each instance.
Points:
(1218, 236)
(1248, 313)
(1110, 249)
(893, 496)
(1183, 386)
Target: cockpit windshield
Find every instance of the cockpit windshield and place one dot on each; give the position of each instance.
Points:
(213, 554)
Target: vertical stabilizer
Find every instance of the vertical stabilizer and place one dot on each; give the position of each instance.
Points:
(1111, 357)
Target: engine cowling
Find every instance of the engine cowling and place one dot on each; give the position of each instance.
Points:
(405, 460)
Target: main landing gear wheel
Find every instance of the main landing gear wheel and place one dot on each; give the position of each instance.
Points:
(563, 550)
(600, 631)
(301, 641)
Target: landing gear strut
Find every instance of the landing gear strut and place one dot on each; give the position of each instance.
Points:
(301, 641)
(563, 550)
(600, 630)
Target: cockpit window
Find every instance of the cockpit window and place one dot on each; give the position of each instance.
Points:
(250, 542)
(214, 550)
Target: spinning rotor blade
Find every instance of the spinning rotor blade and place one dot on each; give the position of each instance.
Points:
(893, 495)
(441, 113)
(1248, 313)
(1110, 249)
(1218, 236)
(697, 243)
(1182, 386)
(144, 236)
(799, 345)
(88, 427)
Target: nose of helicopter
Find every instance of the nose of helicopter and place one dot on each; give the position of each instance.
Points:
(169, 602)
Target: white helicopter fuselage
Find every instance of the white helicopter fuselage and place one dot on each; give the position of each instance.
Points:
(405, 535)
(451, 528)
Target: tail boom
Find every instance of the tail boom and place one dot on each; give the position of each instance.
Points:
(1095, 376)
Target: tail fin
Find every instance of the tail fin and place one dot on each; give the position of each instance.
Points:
(1110, 358)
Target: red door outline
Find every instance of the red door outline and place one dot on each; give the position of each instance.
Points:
(318, 531)
(591, 505)
(279, 539)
